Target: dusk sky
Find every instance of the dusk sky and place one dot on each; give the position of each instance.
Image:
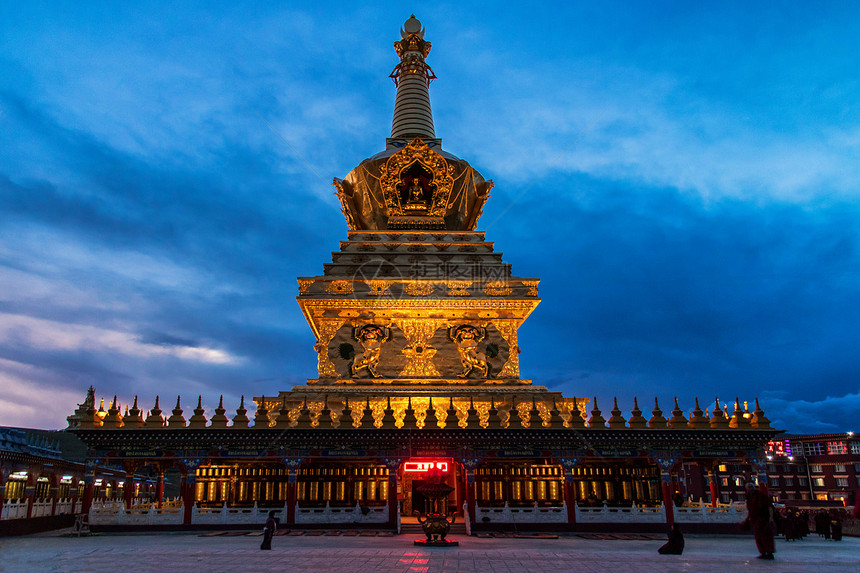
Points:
(683, 177)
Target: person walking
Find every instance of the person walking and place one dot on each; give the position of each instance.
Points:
(269, 531)
(760, 520)
(675, 545)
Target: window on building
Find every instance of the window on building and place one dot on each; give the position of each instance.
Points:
(841, 482)
(791, 469)
(724, 497)
(722, 468)
(774, 482)
(818, 482)
(803, 481)
(839, 468)
(789, 481)
(816, 469)
(739, 481)
(724, 481)
(855, 447)
(858, 481)
(804, 495)
(834, 448)
(857, 468)
(812, 449)
(790, 496)
(771, 468)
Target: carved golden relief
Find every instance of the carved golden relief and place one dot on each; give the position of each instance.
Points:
(378, 287)
(418, 351)
(344, 208)
(391, 179)
(326, 329)
(458, 288)
(497, 288)
(339, 287)
(532, 286)
(371, 338)
(305, 285)
(467, 337)
(508, 329)
(418, 289)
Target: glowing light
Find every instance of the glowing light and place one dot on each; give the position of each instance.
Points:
(424, 466)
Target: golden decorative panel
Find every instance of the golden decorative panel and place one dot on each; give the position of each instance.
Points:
(532, 286)
(497, 288)
(378, 287)
(305, 285)
(419, 353)
(339, 287)
(418, 289)
(327, 329)
(508, 330)
(458, 288)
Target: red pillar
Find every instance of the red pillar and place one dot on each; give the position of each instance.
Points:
(159, 490)
(89, 489)
(712, 483)
(668, 504)
(570, 499)
(188, 496)
(392, 496)
(470, 495)
(292, 478)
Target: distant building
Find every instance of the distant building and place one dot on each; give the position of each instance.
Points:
(42, 480)
(814, 467)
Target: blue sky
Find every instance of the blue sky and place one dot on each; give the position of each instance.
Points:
(683, 179)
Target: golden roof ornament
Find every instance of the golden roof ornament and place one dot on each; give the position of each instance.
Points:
(113, 419)
(389, 422)
(718, 419)
(657, 419)
(134, 417)
(240, 420)
(431, 421)
(759, 421)
(637, 421)
(176, 420)
(556, 422)
(616, 421)
(678, 420)
(451, 419)
(577, 420)
(596, 420)
(219, 420)
(198, 420)
(409, 419)
(698, 421)
(324, 421)
(304, 420)
(155, 420)
(367, 420)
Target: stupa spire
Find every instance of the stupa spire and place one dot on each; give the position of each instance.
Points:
(412, 76)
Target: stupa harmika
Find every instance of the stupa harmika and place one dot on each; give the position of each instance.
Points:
(416, 322)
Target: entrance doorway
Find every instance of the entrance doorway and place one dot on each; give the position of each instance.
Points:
(412, 474)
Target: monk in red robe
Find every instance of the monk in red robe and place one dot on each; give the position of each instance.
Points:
(760, 520)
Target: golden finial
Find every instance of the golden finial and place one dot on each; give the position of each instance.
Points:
(657, 419)
(759, 421)
(677, 420)
(241, 420)
(596, 420)
(637, 421)
(616, 420)
(219, 420)
(698, 420)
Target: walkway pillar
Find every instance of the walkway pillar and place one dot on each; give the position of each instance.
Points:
(668, 503)
(392, 496)
(470, 494)
(570, 495)
(188, 495)
(159, 489)
(712, 483)
(292, 482)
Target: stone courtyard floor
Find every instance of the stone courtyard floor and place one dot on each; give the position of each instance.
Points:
(189, 552)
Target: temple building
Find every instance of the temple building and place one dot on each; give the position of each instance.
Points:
(416, 323)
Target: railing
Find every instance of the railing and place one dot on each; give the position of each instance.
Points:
(354, 514)
(229, 515)
(15, 509)
(625, 514)
(507, 514)
(703, 513)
